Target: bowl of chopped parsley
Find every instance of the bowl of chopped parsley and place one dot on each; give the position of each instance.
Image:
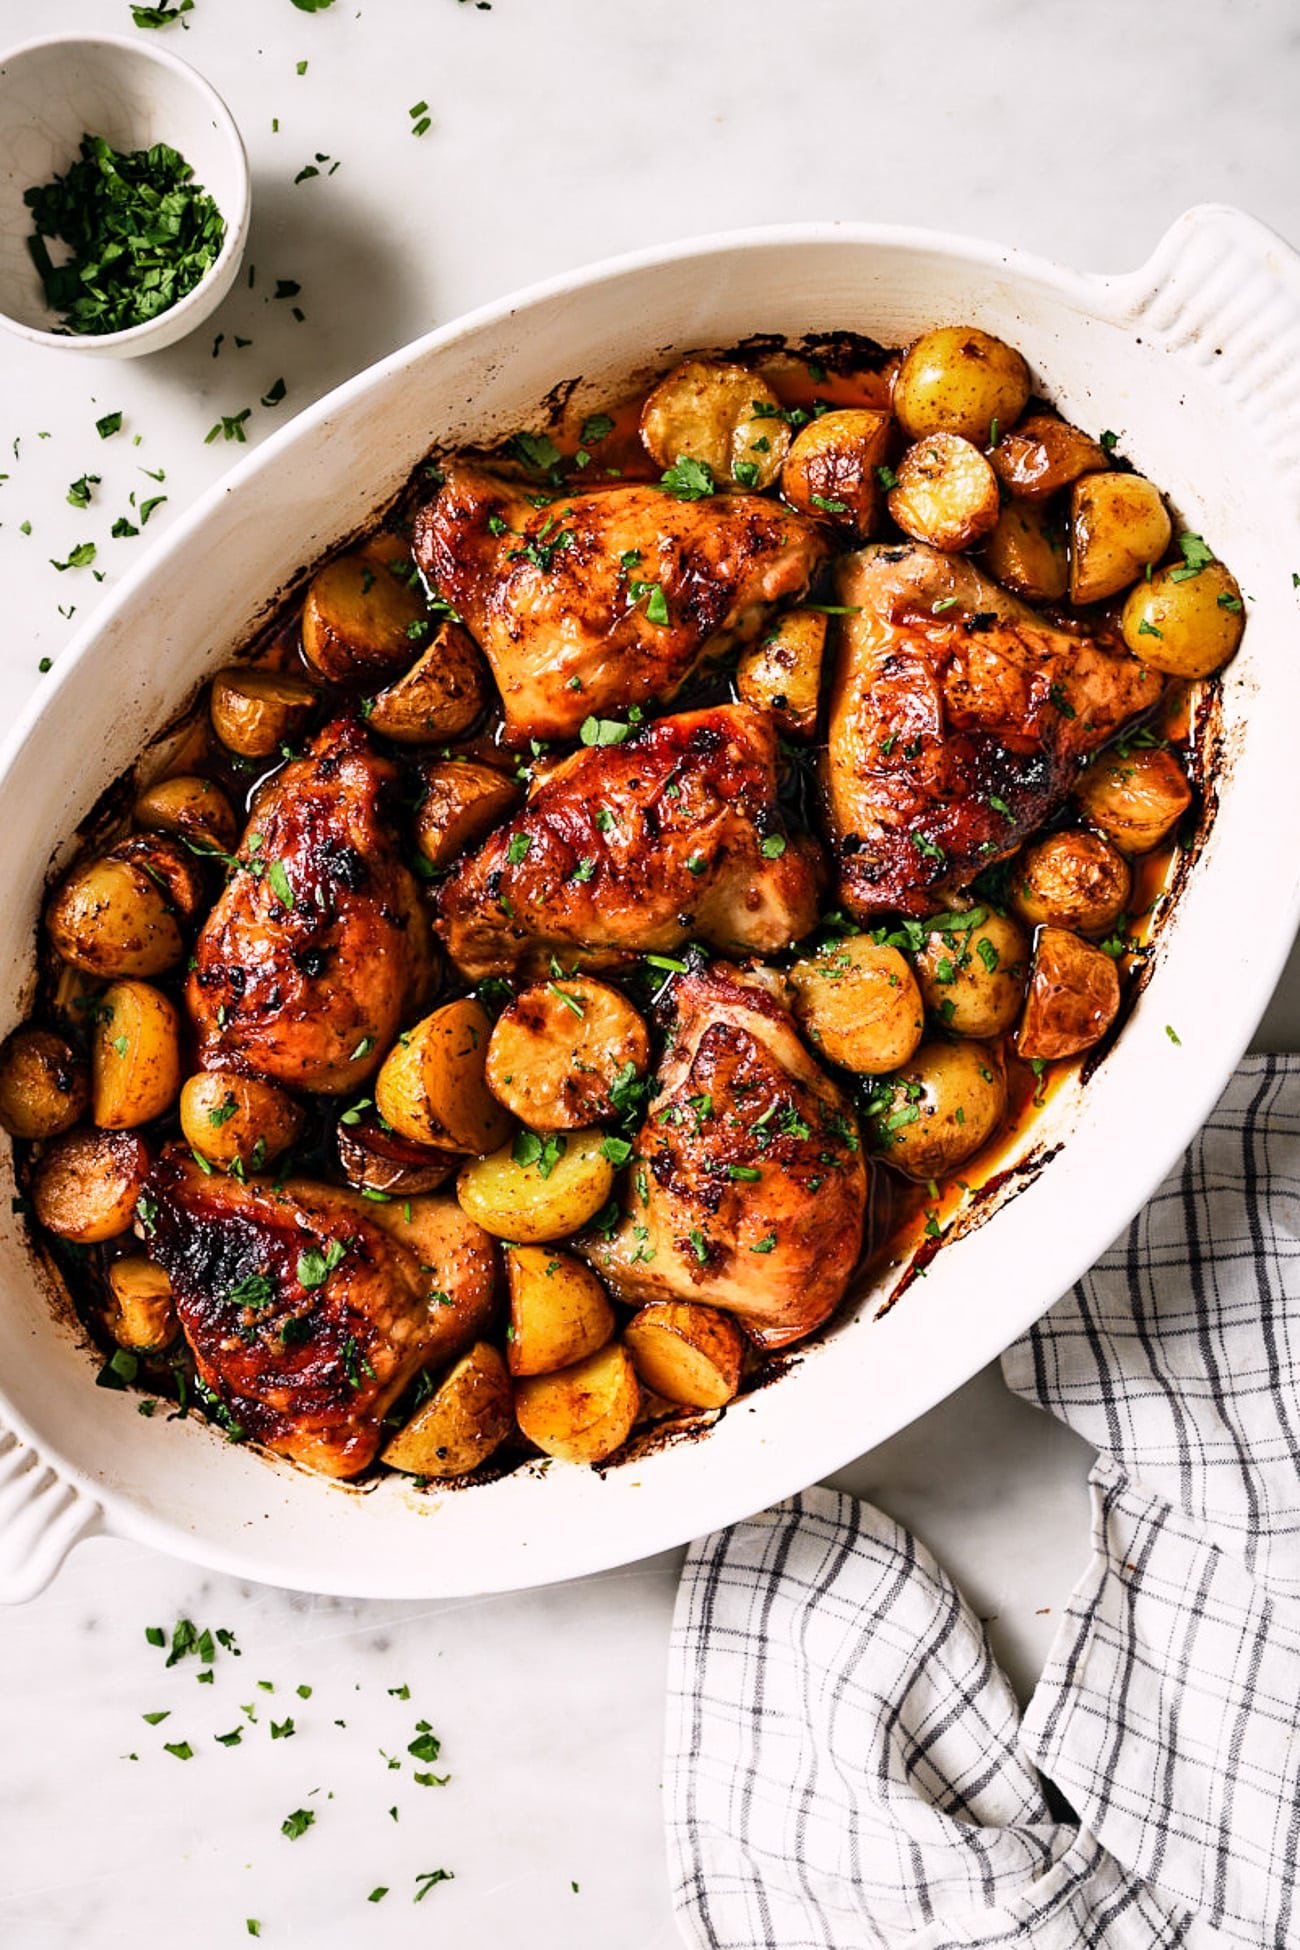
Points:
(124, 195)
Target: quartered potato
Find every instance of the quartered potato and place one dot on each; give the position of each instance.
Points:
(431, 1086)
(559, 1311)
(1025, 552)
(687, 1353)
(44, 1088)
(111, 919)
(241, 1123)
(1135, 799)
(559, 1049)
(782, 672)
(946, 494)
(1118, 524)
(830, 470)
(459, 1261)
(363, 623)
(721, 414)
(943, 1105)
(85, 1186)
(254, 712)
(462, 802)
(531, 1192)
(469, 1415)
(135, 1057)
(1073, 997)
(1042, 454)
(584, 1413)
(1185, 622)
(858, 1004)
(960, 380)
(191, 807)
(140, 1314)
(974, 977)
(1071, 880)
(377, 1160)
(439, 697)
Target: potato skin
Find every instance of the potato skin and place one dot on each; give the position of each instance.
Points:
(946, 495)
(432, 1086)
(1118, 524)
(44, 1087)
(1136, 801)
(559, 1311)
(1071, 880)
(1187, 626)
(830, 470)
(135, 1056)
(459, 1260)
(192, 808)
(110, 919)
(462, 802)
(1044, 453)
(140, 1314)
(254, 712)
(782, 672)
(687, 1353)
(958, 379)
(467, 1417)
(858, 1004)
(704, 410)
(234, 1121)
(1073, 997)
(974, 978)
(376, 1160)
(557, 1050)
(86, 1183)
(516, 1202)
(440, 695)
(583, 1413)
(1025, 552)
(361, 623)
(958, 1092)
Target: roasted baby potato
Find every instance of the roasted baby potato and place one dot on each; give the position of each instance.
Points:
(135, 1056)
(44, 1088)
(946, 494)
(940, 1108)
(532, 1192)
(858, 1004)
(140, 1314)
(559, 1311)
(1073, 997)
(172, 866)
(439, 697)
(468, 1415)
(830, 470)
(1118, 524)
(583, 1413)
(721, 414)
(432, 1088)
(782, 672)
(111, 919)
(1043, 453)
(459, 1261)
(974, 976)
(687, 1353)
(365, 615)
(462, 802)
(191, 807)
(1136, 800)
(1025, 552)
(1185, 622)
(377, 1160)
(560, 1049)
(1071, 880)
(85, 1186)
(238, 1122)
(254, 712)
(960, 380)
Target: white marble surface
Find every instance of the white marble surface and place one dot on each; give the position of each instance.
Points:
(562, 130)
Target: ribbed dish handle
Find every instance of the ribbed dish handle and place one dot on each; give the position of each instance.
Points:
(41, 1518)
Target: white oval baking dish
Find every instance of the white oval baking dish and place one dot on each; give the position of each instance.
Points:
(1195, 361)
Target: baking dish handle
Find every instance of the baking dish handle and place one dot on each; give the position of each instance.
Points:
(41, 1518)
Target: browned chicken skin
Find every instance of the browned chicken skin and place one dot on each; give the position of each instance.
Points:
(305, 1318)
(958, 721)
(551, 593)
(747, 1186)
(639, 846)
(313, 991)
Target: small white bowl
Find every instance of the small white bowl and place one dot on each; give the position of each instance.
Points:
(57, 89)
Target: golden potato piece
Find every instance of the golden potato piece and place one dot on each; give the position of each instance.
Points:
(191, 807)
(135, 1057)
(1118, 524)
(584, 1413)
(44, 1088)
(462, 802)
(377, 1160)
(110, 918)
(830, 470)
(1025, 552)
(460, 1263)
(439, 697)
(171, 865)
(972, 972)
(782, 672)
(940, 1109)
(1071, 880)
(140, 1315)
(1135, 799)
(561, 1049)
(87, 1182)
(535, 1190)
(432, 1086)
(687, 1353)
(946, 493)
(1042, 454)
(467, 1417)
(958, 379)
(559, 1311)
(858, 1004)
(254, 712)
(1073, 997)
(721, 414)
(1185, 621)
(239, 1123)
(365, 618)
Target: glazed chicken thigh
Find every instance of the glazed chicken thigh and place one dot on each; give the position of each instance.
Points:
(601, 600)
(959, 720)
(319, 944)
(747, 1185)
(639, 846)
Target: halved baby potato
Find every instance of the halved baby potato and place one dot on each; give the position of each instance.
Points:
(830, 470)
(238, 1121)
(459, 1261)
(946, 493)
(1025, 551)
(943, 1105)
(1185, 623)
(365, 616)
(462, 802)
(254, 711)
(1118, 524)
(782, 672)
(376, 1160)
(44, 1087)
(974, 977)
(1136, 799)
(468, 1416)
(111, 919)
(531, 1192)
(858, 1003)
(438, 697)
(722, 414)
(86, 1184)
(1073, 997)
(584, 1413)
(558, 1050)
(1043, 453)
(957, 379)
(1071, 880)
(135, 1057)
(193, 808)
(687, 1353)
(559, 1311)
(139, 1315)
(432, 1086)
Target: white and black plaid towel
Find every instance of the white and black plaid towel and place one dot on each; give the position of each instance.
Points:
(846, 1765)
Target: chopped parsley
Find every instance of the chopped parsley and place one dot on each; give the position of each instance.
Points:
(301, 1819)
(689, 480)
(314, 1267)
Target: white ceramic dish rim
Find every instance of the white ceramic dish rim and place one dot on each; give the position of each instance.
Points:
(57, 1501)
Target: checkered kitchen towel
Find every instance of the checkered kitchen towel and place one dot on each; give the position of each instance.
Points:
(846, 1765)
